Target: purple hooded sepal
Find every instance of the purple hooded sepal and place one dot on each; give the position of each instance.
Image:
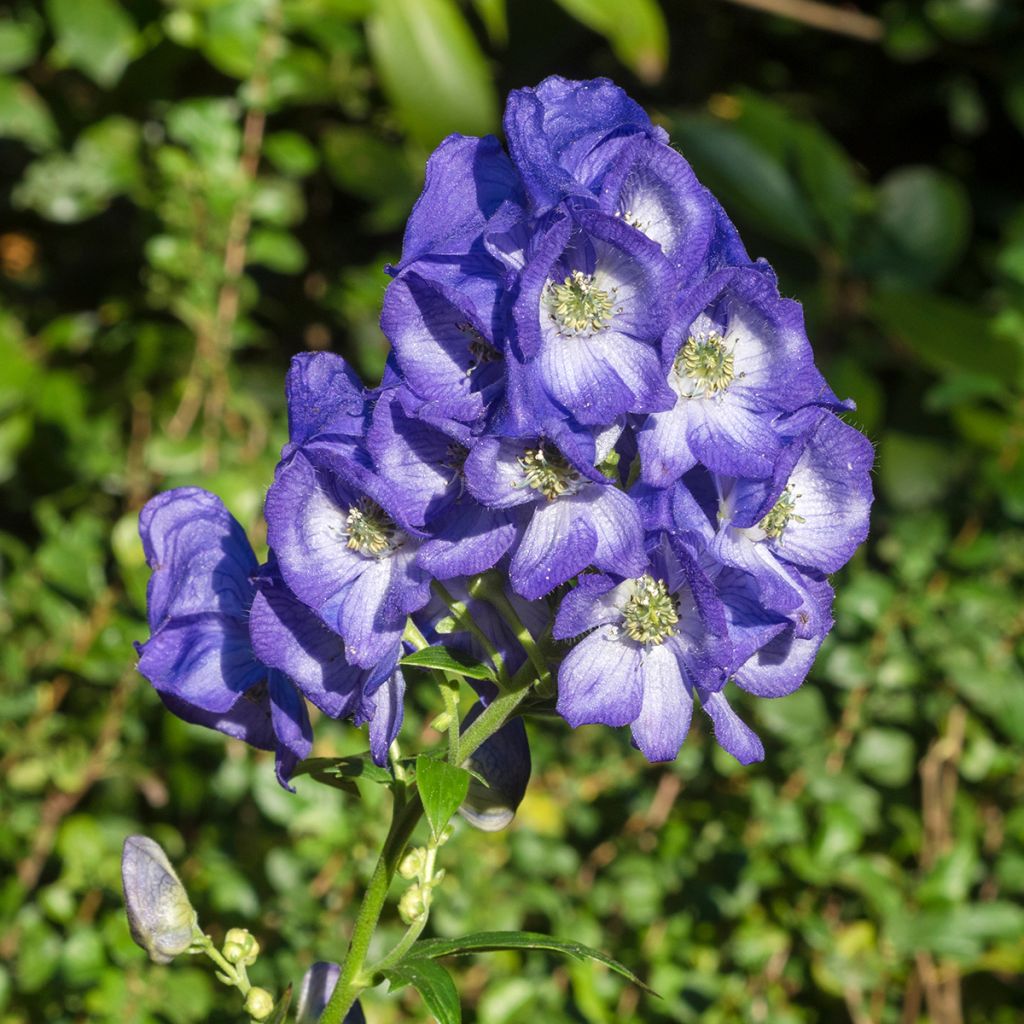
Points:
(318, 984)
(503, 761)
(563, 134)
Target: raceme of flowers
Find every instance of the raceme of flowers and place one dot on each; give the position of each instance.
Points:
(594, 396)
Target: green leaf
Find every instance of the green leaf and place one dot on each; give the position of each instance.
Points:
(488, 942)
(432, 69)
(885, 756)
(341, 772)
(24, 116)
(636, 30)
(920, 228)
(946, 335)
(276, 250)
(433, 983)
(751, 182)
(95, 36)
(442, 788)
(494, 15)
(19, 40)
(448, 660)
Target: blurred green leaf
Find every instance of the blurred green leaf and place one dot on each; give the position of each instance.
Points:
(946, 335)
(494, 15)
(24, 116)
(915, 472)
(432, 69)
(19, 41)
(919, 230)
(95, 36)
(885, 755)
(635, 28)
(750, 182)
(276, 250)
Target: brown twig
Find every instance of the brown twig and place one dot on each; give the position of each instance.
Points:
(841, 20)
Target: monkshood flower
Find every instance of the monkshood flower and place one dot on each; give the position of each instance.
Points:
(572, 520)
(346, 546)
(503, 763)
(199, 657)
(737, 366)
(805, 521)
(160, 914)
(595, 301)
(656, 640)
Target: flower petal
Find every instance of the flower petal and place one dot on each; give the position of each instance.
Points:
(600, 682)
(664, 719)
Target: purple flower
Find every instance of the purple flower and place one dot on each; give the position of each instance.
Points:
(503, 762)
(595, 301)
(571, 520)
(657, 639)
(318, 985)
(735, 368)
(199, 657)
(448, 352)
(346, 546)
(806, 520)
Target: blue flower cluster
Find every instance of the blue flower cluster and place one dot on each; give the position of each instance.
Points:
(594, 391)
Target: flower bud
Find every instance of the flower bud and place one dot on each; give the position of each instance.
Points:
(413, 863)
(160, 916)
(240, 947)
(259, 1004)
(503, 761)
(412, 907)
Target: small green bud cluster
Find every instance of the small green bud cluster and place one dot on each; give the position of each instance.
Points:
(259, 1004)
(240, 947)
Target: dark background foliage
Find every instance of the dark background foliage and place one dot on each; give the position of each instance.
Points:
(192, 191)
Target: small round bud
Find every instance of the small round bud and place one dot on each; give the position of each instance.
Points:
(160, 916)
(240, 947)
(412, 908)
(259, 1004)
(413, 863)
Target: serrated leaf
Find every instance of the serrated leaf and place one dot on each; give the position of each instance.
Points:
(486, 942)
(442, 789)
(448, 660)
(433, 983)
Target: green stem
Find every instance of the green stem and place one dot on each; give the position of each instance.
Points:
(462, 618)
(451, 707)
(353, 979)
(486, 589)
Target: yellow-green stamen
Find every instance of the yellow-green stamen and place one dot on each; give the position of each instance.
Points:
(548, 472)
(369, 528)
(707, 364)
(776, 521)
(650, 615)
(578, 306)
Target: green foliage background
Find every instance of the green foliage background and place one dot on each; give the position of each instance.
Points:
(191, 191)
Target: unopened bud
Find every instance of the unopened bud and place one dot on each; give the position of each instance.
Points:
(259, 1004)
(413, 863)
(160, 916)
(503, 761)
(240, 947)
(412, 907)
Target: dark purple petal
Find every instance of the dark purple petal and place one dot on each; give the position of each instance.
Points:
(287, 636)
(291, 726)
(469, 181)
(600, 681)
(592, 602)
(200, 556)
(471, 540)
(616, 524)
(203, 660)
(325, 396)
(384, 710)
(732, 734)
(248, 719)
(554, 128)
